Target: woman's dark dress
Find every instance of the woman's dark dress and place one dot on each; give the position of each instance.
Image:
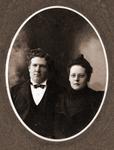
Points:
(76, 110)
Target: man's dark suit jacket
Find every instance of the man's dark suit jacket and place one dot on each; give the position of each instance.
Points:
(38, 118)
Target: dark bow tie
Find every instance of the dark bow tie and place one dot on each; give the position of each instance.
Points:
(38, 85)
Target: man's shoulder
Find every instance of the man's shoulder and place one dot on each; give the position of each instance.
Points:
(18, 87)
(55, 87)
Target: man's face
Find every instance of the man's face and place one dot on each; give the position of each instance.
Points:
(77, 77)
(38, 69)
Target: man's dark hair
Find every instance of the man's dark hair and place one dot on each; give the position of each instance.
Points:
(80, 60)
(38, 52)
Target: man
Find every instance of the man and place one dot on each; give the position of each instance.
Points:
(35, 99)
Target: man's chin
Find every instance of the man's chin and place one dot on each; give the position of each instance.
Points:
(39, 81)
(36, 80)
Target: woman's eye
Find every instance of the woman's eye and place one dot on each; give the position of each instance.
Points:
(81, 75)
(73, 75)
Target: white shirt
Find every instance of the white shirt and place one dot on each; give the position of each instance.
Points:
(38, 93)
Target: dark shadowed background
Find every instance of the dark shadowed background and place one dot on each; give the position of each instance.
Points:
(13, 136)
(64, 34)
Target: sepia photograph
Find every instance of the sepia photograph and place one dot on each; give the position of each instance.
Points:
(57, 73)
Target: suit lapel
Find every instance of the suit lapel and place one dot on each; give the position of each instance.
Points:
(26, 92)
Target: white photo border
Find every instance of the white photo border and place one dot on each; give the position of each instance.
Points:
(7, 83)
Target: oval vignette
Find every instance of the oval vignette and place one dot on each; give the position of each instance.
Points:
(64, 33)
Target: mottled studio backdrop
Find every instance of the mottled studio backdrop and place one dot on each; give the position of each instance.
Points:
(63, 34)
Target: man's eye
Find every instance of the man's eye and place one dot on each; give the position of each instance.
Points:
(35, 65)
(43, 66)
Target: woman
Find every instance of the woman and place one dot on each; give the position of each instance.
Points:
(81, 104)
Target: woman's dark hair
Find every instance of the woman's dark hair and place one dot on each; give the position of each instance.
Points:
(80, 60)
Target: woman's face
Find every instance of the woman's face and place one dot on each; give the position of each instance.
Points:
(77, 77)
